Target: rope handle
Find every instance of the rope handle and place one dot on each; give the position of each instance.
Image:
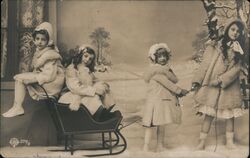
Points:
(123, 126)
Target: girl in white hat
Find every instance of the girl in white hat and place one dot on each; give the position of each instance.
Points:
(47, 71)
(162, 105)
(84, 88)
(217, 82)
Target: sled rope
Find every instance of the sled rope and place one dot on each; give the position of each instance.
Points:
(123, 126)
(215, 123)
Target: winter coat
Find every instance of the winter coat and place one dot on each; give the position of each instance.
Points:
(47, 70)
(212, 68)
(161, 102)
(82, 86)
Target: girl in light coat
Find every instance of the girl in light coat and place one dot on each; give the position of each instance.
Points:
(47, 71)
(162, 105)
(85, 88)
(217, 82)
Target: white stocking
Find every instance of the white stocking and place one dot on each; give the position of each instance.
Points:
(148, 133)
(17, 108)
(160, 135)
(20, 92)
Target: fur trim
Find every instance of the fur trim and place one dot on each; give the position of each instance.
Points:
(40, 58)
(71, 71)
(48, 27)
(85, 76)
(82, 74)
(158, 69)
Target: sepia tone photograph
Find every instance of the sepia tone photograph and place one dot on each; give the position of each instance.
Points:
(124, 78)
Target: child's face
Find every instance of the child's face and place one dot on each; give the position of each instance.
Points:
(87, 58)
(40, 41)
(161, 58)
(233, 32)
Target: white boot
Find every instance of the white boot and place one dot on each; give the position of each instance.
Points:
(229, 140)
(17, 108)
(14, 111)
(201, 145)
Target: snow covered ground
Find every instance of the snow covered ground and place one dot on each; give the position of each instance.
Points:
(133, 151)
(180, 140)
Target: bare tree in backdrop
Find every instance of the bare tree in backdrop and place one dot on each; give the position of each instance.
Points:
(100, 39)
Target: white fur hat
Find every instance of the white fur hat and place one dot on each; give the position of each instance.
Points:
(155, 47)
(48, 27)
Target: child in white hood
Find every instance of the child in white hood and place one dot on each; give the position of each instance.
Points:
(162, 105)
(47, 71)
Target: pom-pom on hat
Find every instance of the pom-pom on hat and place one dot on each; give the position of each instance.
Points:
(155, 47)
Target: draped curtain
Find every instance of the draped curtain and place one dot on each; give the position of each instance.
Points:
(4, 25)
(31, 14)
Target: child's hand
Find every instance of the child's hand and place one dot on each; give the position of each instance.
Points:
(74, 107)
(107, 87)
(101, 88)
(100, 91)
(215, 83)
(183, 93)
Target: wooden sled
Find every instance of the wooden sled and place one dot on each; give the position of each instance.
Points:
(71, 123)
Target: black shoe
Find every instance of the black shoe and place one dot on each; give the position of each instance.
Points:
(110, 108)
(98, 114)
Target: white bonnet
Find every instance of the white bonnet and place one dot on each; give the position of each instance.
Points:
(48, 27)
(155, 47)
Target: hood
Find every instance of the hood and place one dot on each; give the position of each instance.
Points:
(229, 22)
(48, 27)
(155, 47)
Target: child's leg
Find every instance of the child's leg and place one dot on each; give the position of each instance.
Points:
(207, 123)
(17, 108)
(230, 133)
(148, 133)
(160, 138)
(204, 131)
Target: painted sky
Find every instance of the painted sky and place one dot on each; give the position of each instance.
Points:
(134, 26)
